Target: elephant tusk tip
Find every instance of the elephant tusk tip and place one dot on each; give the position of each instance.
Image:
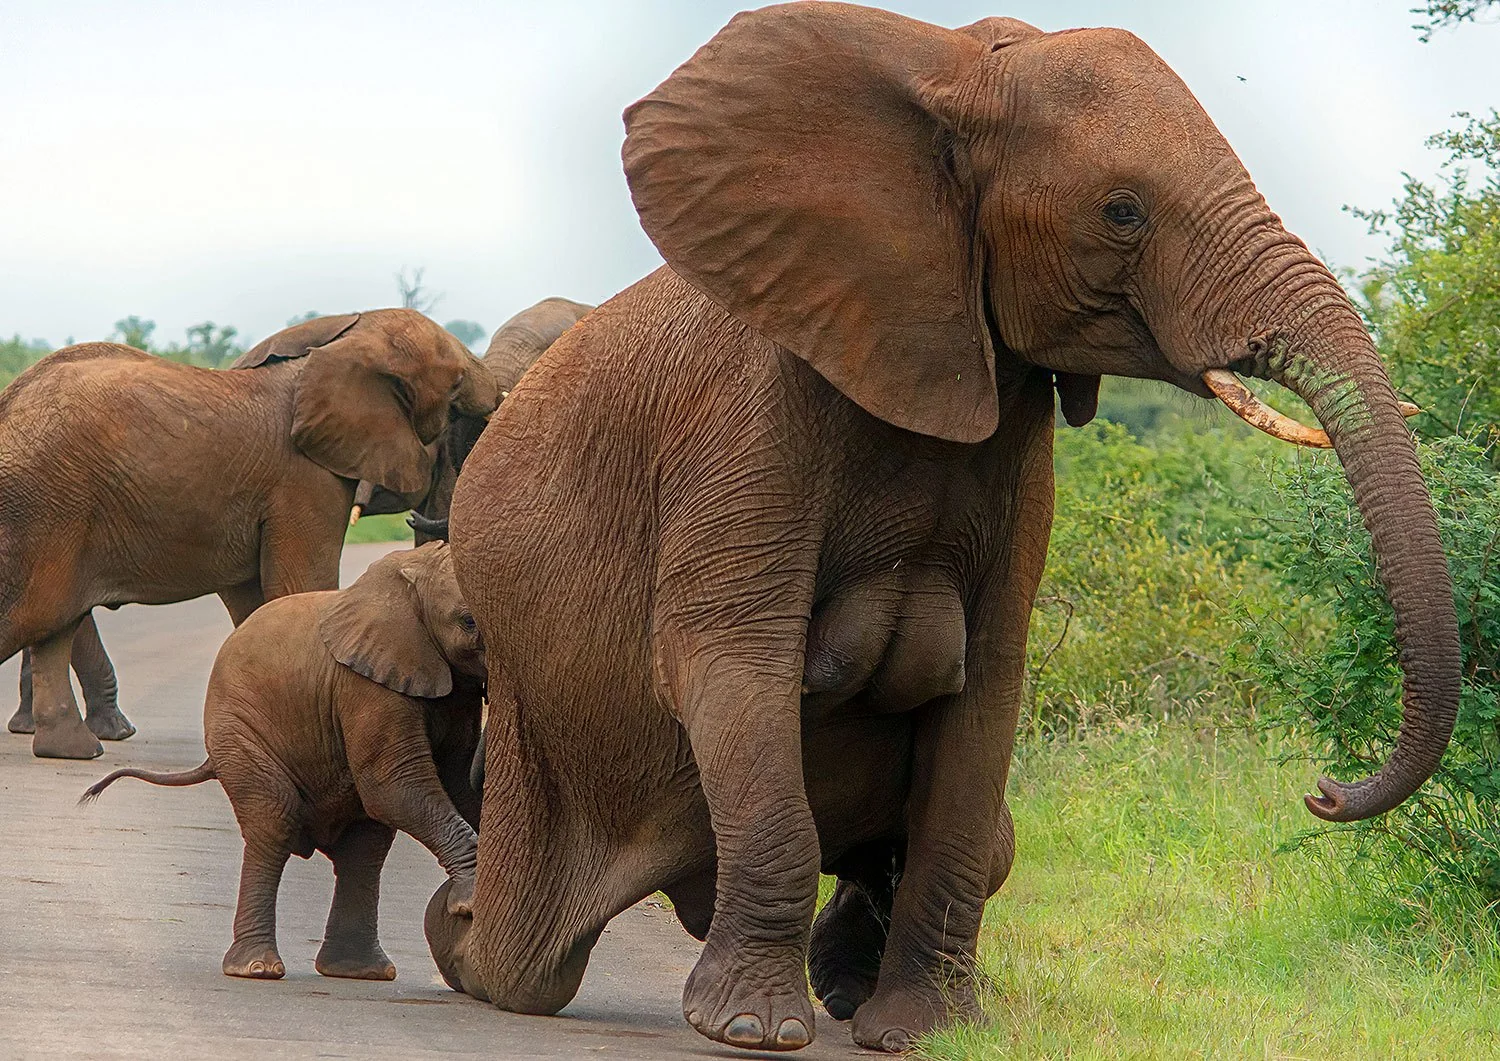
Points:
(355, 513)
(1408, 409)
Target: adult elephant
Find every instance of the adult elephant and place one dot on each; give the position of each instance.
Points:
(513, 349)
(127, 478)
(754, 547)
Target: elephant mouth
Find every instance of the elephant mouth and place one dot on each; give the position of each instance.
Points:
(1241, 400)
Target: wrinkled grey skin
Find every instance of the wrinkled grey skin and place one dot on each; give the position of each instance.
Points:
(513, 349)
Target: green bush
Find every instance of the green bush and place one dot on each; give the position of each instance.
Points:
(1337, 690)
(1152, 541)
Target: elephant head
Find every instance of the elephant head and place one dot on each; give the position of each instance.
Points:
(376, 393)
(925, 215)
(513, 349)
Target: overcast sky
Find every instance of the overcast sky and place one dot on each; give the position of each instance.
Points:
(244, 163)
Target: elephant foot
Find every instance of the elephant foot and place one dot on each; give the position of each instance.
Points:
(66, 738)
(843, 958)
(254, 961)
(760, 1008)
(109, 724)
(894, 1020)
(22, 721)
(461, 895)
(354, 961)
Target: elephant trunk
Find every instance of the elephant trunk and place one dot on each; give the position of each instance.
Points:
(1329, 361)
(480, 392)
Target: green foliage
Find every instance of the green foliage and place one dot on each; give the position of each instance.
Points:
(387, 528)
(1153, 539)
(1436, 14)
(1340, 691)
(1435, 302)
(1152, 914)
(17, 354)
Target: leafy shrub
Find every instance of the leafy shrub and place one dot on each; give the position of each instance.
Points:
(1151, 542)
(1338, 691)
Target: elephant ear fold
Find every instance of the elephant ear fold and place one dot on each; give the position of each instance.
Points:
(802, 171)
(369, 407)
(296, 341)
(375, 629)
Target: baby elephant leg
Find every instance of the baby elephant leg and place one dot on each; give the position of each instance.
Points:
(22, 721)
(351, 942)
(60, 731)
(399, 785)
(101, 691)
(253, 953)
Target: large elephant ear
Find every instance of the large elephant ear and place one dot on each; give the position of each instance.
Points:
(800, 171)
(370, 403)
(296, 341)
(375, 629)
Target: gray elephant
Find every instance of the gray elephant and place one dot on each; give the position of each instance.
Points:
(128, 478)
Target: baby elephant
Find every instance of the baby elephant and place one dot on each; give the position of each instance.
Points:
(332, 720)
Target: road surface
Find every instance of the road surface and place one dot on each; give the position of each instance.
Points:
(114, 917)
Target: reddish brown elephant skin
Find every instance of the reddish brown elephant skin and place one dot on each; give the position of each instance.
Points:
(128, 478)
(754, 546)
(333, 719)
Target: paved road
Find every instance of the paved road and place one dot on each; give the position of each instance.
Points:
(113, 918)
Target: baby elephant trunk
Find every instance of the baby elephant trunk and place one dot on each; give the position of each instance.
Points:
(196, 776)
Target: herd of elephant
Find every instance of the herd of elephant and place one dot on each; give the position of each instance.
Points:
(748, 553)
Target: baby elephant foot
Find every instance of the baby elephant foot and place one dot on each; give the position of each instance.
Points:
(66, 738)
(254, 961)
(360, 961)
(461, 895)
(893, 1020)
(109, 724)
(764, 1007)
(22, 721)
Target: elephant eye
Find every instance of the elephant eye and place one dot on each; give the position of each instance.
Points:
(467, 622)
(1126, 213)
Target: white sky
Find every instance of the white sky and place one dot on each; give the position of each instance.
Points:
(247, 162)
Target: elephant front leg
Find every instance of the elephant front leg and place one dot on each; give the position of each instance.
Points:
(742, 714)
(60, 730)
(101, 690)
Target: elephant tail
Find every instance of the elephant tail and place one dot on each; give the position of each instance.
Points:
(195, 776)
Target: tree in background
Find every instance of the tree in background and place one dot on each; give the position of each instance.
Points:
(1439, 13)
(1435, 301)
(413, 294)
(211, 345)
(133, 331)
(470, 333)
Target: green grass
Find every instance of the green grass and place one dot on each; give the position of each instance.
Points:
(1151, 915)
(391, 528)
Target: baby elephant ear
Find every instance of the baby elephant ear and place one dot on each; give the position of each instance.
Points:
(375, 629)
(296, 341)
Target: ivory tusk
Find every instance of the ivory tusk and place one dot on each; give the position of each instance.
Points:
(355, 513)
(1229, 389)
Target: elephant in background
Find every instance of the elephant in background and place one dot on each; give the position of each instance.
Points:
(125, 478)
(754, 547)
(513, 349)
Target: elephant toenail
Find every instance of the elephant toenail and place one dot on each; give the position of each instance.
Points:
(895, 1041)
(792, 1034)
(745, 1030)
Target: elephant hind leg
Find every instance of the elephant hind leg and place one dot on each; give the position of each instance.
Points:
(351, 941)
(848, 936)
(101, 690)
(23, 721)
(60, 730)
(269, 821)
